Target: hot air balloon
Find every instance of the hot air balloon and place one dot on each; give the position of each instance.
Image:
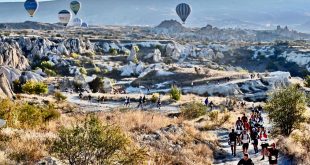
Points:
(31, 6)
(183, 10)
(85, 25)
(75, 6)
(77, 22)
(64, 17)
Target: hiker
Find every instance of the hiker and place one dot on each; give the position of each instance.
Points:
(239, 129)
(80, 95)
(211, 105)
(144, 100)
(273, 154)
(264, 141)
(158, 103)
(207, 101)
(245, 160)
(89, 98)
(233, 142)
(140, 102)
(254, 138)
(244, 118)
(245, 139)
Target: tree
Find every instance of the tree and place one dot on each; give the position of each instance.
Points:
(32, 87)
(193, 110)
(94, 143)
(96, 85)
(286, 109)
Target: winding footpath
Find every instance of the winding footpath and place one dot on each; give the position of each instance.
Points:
(225, 157)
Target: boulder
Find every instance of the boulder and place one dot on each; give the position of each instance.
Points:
(132, 56)
(107, 85)
(11, 55)
(5, 87)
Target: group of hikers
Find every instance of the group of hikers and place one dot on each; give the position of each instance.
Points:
(251, 130)
(141, 102)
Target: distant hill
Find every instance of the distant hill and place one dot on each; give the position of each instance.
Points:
(263, 14)
(31, 25)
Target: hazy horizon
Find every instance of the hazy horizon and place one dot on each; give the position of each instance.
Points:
(262, 14)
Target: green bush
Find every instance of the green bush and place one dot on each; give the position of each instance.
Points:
(193, 110)
(24, 115)
(50, 72)
(155, 97)
(175, 93)
(47, 65)
(214, 115)
(90, 54)
(32, 87)
(136, 48)
(105, 144)
(113, 51)
(59, 96)
(75, 55)
(286, 108)
(83, 70)
(307, 81)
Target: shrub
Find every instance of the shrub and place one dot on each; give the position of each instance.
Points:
(175, 93)
(26, 115)
(155, 97)
(17, 86)
(97, 70)
(106, 144)
(193, 110)
(83, 70)
(50, 72)
(286, 109)
(47, 65)
(96, 85)
(113, 51)
(75, 55)
(214, 115)
(59, 96)
(307, 81)
(89, 54)
(136, 48)
(32, 87)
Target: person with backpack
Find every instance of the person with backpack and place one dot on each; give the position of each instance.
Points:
(264, 141)
(245, 160)
(245, 139)
(273, 155)
(239, 129)
(233, 141)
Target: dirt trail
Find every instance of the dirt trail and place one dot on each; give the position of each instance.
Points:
(225, 158)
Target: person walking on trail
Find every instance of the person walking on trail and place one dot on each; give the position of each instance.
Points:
(126, 99)
(144, 100)
(264, 141)
(211, 105)
(140, 104)
(244, 118)
(254, 138)
(158, 103)
(273, 155)
(239, 130)
(233, 141)
(245, 160)
(207, 101)
(245, 139)
(89, 98)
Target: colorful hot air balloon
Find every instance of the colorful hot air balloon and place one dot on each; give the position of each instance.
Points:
(64, 17)
(31, 6)
(75, 6)
(183, 10)
(85, 25)
(77, 22)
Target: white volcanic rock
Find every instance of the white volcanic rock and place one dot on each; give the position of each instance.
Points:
(107, 85)
(132, 69)
(156, 56)
(11, 55)
(5, 87)
(132, 56)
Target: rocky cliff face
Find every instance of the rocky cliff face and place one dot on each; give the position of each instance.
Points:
(11, 55)
(5, 87)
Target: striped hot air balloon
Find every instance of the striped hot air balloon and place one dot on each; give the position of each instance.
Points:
(183, 10)
(31, 6)
(64, 17)
(75, 6)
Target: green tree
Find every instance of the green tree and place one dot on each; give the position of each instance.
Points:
(83, 70)
(286, 109)
(94, 143)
